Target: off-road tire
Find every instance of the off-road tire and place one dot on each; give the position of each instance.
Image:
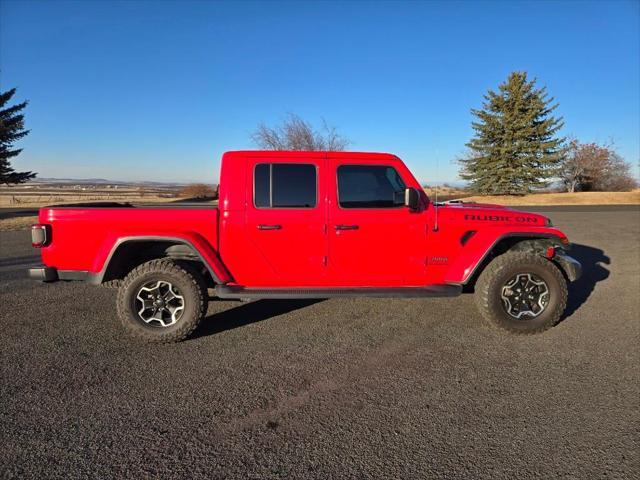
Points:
(198, 272)
(499, 271)
(112, 284)
(190, 286)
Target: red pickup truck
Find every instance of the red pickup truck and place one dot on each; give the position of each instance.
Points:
(308, 225)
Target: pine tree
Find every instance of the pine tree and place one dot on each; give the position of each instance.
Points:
(515, 148)
(11, 130)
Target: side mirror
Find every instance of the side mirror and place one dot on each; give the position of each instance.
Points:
(412, 198)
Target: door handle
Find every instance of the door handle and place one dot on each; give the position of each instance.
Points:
(346, 227)
(269, 227)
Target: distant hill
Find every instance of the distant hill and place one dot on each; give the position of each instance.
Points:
(104, 181)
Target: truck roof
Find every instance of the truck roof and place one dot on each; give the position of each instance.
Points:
(308, 154)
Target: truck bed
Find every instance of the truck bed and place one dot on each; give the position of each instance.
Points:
(186, 203)
(82, 236)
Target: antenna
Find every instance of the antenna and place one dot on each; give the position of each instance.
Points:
(435, 204)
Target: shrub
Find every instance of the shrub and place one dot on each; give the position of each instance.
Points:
(198, 190)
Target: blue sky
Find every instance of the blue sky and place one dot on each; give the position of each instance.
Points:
(158, 90)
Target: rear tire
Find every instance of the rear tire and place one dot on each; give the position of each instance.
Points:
(161, 302)
(522, 293)
(112, 284)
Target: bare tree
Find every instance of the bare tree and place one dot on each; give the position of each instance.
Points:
(582, 162)
(593, 167)
(617, 176)
(298, 134)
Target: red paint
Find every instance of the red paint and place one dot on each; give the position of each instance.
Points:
(390, 247)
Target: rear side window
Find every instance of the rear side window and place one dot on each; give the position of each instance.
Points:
(370, 186)
(285, 185)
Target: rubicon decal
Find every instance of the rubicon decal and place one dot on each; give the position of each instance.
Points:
(500, 218)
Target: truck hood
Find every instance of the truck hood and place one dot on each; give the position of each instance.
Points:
(488, 214)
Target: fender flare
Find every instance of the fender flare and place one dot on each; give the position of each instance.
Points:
(464, 272)
(215, 267)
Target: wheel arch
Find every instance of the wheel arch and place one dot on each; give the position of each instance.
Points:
(467, 269)
(129, 252)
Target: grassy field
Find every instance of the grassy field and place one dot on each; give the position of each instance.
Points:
(38, 195)
(445, 193)
(37, 200)
(577, 198)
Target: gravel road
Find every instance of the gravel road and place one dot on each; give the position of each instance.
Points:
(362, 388)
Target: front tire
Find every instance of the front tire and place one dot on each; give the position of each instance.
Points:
(161, 302)
(522, 293)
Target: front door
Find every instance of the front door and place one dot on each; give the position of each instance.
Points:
(374, 240)
(286, 222)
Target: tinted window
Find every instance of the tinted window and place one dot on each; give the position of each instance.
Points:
(285, 185)
(369, 186)
(261, 183)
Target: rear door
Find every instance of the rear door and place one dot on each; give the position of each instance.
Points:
(374, 240)
(286, 220)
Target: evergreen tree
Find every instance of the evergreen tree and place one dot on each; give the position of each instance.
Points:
(515, 148)
(11, 130)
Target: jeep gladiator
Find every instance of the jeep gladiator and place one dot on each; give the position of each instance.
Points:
(308, 225)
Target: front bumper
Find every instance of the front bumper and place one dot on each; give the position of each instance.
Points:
(51, 274)
(571, 267)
